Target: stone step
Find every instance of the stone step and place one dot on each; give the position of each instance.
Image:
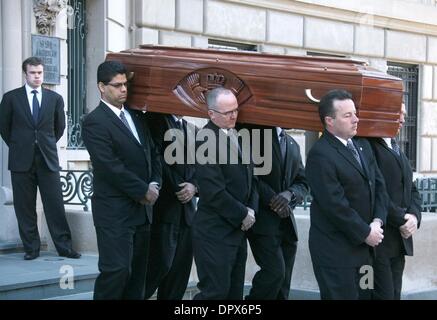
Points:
(77, 296)
(48, 276)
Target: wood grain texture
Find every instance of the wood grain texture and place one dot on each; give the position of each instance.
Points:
(270, 88)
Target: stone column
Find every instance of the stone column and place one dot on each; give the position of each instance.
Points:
(11, 59)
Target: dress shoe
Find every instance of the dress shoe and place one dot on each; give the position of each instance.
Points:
(71, 254)
(31, 256)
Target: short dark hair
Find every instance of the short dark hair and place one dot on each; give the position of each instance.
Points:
(108, 70)
(31, 61)
(326, 104)
(212, 96)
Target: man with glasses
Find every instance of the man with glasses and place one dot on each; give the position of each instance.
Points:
(127, 174)
(226, 210)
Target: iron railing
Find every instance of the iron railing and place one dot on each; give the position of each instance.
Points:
(77, 187)
(427, 188)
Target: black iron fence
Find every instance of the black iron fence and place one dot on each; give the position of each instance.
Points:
(427, 188)
(77, 189)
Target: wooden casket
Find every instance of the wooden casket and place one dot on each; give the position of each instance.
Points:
(271, 89)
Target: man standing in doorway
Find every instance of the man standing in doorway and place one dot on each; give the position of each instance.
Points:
(32, 120)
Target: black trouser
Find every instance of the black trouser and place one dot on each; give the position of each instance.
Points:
(170, 260)
(275, 255)
(122, 262)
(341, 283)
(388, 277)
(24, 185)
(221, 268)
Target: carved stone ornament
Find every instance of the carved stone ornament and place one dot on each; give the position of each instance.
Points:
(46, 12)
(192, 89)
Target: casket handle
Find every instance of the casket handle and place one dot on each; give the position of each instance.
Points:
(310, 96)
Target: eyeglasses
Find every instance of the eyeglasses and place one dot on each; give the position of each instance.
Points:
(117, 85)
(227, 113)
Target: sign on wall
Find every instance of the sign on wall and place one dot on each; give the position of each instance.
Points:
(48, 50)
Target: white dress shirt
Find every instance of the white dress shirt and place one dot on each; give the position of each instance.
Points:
(388, 142)
(30, 96)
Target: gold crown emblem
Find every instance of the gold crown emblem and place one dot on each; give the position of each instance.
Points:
(215, 80)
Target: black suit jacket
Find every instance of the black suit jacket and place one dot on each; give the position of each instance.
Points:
(20, 132)
(288, 175)
(122, 167)
(168, 209)
(346, 198)
(403, 195)
(225, 192)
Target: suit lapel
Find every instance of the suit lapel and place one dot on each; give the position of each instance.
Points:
(117, 122)
(138, 126)
(43, 107)
(25, 104)
(288, 160)
(401, 159)
(394, 154)
(362, 157)
(343, 150)
(276, 147)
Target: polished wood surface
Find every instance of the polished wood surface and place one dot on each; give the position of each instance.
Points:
(271, 89)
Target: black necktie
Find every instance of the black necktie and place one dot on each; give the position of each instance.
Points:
(124, 120)
(35, 106)
(395, 146)
(354, 151)
(283, 144)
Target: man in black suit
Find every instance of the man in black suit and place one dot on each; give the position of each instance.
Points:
(227, 203)
(171, 249)
(32, 120)
(349, 202)
(273, 238)
(403, 219)
(126, 184)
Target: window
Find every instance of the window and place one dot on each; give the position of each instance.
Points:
(76, 74)
(408, 135)
(231, 46)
